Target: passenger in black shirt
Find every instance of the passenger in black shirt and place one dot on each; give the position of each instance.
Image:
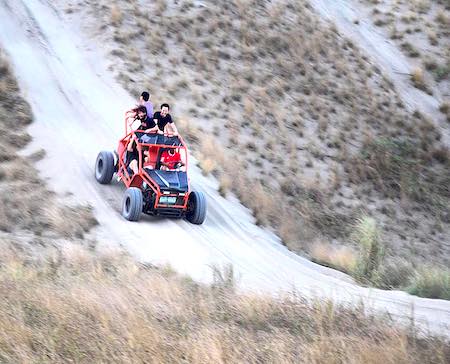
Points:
(147, 123)
(164, 121)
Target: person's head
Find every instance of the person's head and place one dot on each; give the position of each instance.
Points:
(141, 112)
(145, 96)
(171, 152)
(165, 109)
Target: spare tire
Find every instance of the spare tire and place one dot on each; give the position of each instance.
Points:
(104, 167)
(196, 212)
(132, 204)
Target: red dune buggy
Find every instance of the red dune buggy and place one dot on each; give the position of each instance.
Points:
(161, 184)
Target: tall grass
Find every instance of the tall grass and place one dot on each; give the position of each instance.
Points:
(431, 282)
(401, 167)
(371, 250)
(72, 305)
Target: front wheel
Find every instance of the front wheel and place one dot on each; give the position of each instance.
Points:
(104, 167)
(132, 204)
(196, 212)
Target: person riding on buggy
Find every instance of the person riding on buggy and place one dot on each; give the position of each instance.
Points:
(153, 167)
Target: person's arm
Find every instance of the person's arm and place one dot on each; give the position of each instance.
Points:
(130, 145)
(152, 130)
(132, 112)
(171, 128)
(155, 119)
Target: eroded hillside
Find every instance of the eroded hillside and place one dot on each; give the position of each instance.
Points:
(292, 117)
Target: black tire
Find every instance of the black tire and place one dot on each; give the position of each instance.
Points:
(104, 167)
(132, 204)
(116, 164)
(196, 212)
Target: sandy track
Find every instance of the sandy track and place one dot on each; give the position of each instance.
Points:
(78, 111)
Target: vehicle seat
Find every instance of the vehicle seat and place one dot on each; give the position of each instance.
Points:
(153, 157)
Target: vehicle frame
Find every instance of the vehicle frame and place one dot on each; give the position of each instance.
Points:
(164, 192)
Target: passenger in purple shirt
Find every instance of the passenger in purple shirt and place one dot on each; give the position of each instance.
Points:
(144, 100)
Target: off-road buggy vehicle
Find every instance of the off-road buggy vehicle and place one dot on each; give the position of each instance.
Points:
(159, 187)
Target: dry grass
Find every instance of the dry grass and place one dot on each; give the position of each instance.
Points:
(418, 79)
(25, 202)
(445, 109)
(116, 15)
(208, 165)
(371, 250)
(70, 305)
(399, 167)
(225, 184)
(419, 28)
(340, 258)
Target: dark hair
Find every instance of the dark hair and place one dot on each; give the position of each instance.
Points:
(141, 108)
(165, 105)
(145, 95)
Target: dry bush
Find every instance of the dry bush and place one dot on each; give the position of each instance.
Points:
(443, 19)
(433, 38)
(423, 6)
(418, 79)
(210, 155)
(445, 109)
(401, 167)
(340, 258)
(116, 15)
(410, 50)
(188, 130)
(225, 184)
(395, 273)
(208, 165)
(72, 305)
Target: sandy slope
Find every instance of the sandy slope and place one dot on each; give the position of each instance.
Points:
(344, 13)
(78, 110)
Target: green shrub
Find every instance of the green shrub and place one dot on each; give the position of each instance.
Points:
(371, 253)
(431, 282)
(395, 273)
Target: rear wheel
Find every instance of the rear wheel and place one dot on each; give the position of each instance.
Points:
(104, 167)
(132, 204)
(196, 212)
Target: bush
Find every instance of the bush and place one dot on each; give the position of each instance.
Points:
(367, 236)
(400, 167)
(418, 80)
(395, 273)
(340, 258)
(432, 283)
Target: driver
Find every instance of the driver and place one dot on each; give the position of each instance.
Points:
(171, 159)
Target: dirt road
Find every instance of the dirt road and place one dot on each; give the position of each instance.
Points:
(78, 110)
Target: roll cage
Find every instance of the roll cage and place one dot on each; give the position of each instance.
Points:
(172, 185)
